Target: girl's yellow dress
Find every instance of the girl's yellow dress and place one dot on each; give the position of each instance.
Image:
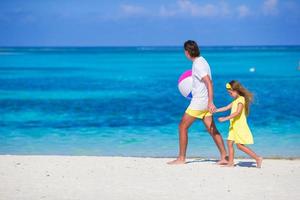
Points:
(239, 131)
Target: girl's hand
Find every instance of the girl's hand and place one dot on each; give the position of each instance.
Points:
(211, 107)
(222, 119)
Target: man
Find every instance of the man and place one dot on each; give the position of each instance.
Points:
(201, 106)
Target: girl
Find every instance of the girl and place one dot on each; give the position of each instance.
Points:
(239, 132)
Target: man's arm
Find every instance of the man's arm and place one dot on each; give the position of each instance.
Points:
(208, 83)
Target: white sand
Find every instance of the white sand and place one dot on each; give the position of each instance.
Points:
(105, 178)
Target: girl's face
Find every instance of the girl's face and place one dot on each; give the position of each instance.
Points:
(233, 93)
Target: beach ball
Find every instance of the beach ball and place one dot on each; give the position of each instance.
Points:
(185, 84)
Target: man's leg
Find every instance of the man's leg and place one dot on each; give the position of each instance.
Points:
(185, 123)
(213, 131)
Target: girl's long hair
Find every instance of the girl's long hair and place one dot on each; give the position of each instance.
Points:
(242, 91)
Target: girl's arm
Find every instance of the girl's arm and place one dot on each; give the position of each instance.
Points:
(208, 83)
(233, 115)
(225, 108)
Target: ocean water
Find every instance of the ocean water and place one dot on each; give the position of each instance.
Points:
(124, 101)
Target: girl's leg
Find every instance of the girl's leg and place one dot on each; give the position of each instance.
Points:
(251, 153)
(231, 153)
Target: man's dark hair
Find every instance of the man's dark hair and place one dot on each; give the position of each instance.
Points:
(192, 48)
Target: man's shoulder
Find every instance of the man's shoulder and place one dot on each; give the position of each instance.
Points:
(197, 60)
(200, 61)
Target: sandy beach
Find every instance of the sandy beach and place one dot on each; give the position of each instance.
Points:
(88, 177)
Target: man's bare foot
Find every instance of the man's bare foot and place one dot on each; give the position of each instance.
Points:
(222, 162)
(228, 165)
(176, 162)
(259, 162)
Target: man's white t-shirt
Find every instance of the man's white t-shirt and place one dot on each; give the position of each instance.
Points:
(200, 69)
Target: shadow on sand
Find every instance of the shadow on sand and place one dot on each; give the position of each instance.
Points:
(246, 164)
(239, 164)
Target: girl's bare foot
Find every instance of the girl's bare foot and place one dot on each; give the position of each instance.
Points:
(176, 162)
(259, 162)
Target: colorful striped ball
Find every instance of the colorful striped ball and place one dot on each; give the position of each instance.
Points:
(185, 84)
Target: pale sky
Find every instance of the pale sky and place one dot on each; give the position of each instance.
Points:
(148, 23)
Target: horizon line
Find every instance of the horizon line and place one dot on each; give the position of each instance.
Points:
(105, 46)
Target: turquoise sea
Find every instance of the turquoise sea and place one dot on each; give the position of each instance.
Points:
(124, 101)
